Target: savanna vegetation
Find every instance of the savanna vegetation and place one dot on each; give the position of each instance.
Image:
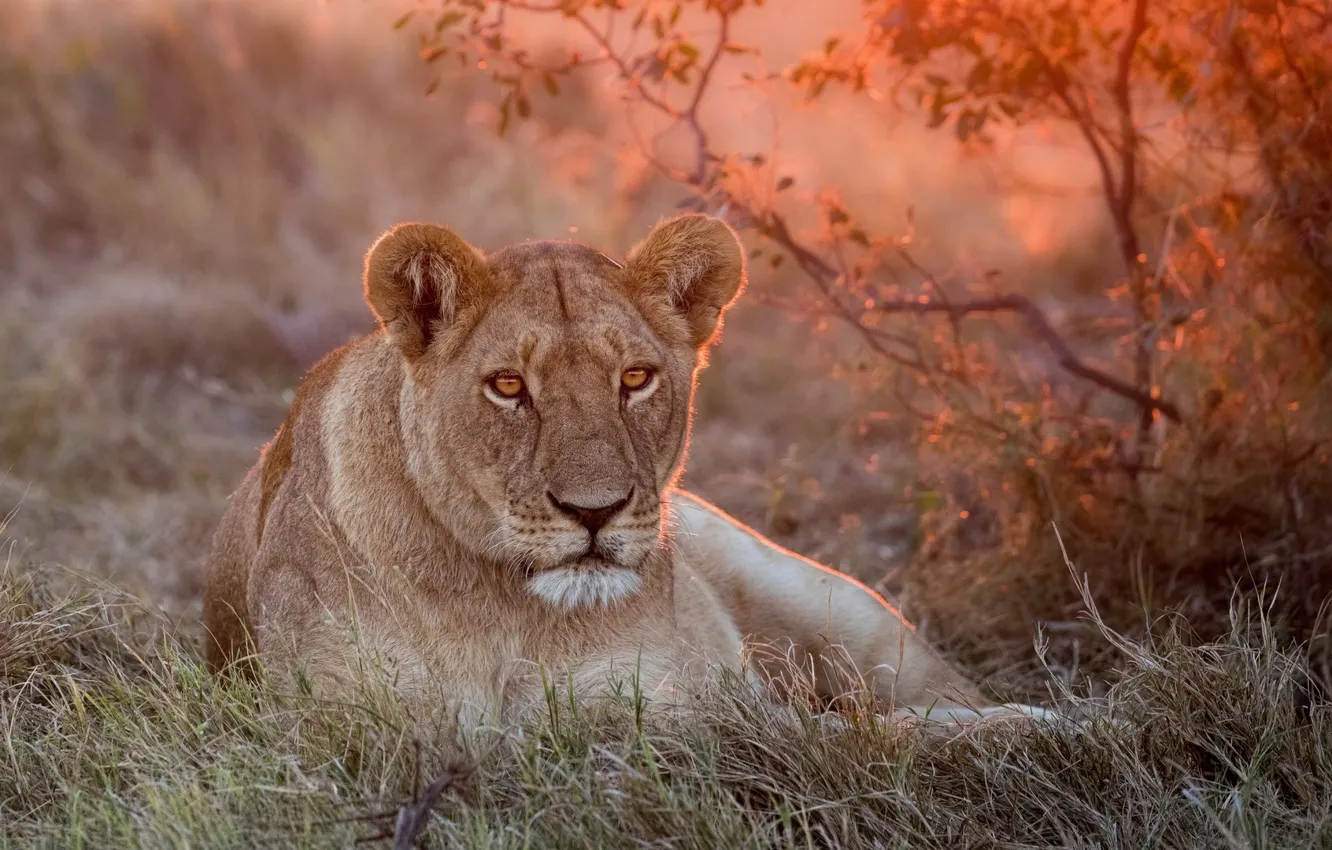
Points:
(1037, 341)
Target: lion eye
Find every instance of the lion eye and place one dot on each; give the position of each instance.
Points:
(636, 378)
(507, 385)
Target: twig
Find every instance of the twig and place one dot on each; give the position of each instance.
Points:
(1127, 196)
(413, 817)
(1128, 150)
(1040, 327)
(630, 76)
(704, 78)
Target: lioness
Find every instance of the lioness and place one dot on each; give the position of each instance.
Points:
(480, 494)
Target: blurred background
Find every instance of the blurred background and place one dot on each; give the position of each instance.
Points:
(189, 187)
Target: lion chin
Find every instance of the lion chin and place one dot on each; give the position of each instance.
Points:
(587, 583)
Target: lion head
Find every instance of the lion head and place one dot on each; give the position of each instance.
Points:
(548, 391)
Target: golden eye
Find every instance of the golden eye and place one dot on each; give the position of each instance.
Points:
(636, 378)
(507, 384)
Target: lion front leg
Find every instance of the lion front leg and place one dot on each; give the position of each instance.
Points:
(327, 647)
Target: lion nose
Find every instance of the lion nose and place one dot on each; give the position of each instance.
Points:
(593, 519)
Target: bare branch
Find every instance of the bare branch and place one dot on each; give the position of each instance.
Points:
(1040, 328)
(704, 79)
(823, 272)
(1086, 126)
(823, 276)
(1128, 142)
(1128, 188)
(413, 817)
(526, 6)
(631, 78)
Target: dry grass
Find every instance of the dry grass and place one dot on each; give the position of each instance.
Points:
(190, 186)
(113, 734)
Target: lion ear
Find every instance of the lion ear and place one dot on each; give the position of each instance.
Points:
(696, 264)
(418, 279)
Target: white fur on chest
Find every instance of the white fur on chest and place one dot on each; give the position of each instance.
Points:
(568, 588)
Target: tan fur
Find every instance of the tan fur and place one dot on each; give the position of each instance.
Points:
(408, 517)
